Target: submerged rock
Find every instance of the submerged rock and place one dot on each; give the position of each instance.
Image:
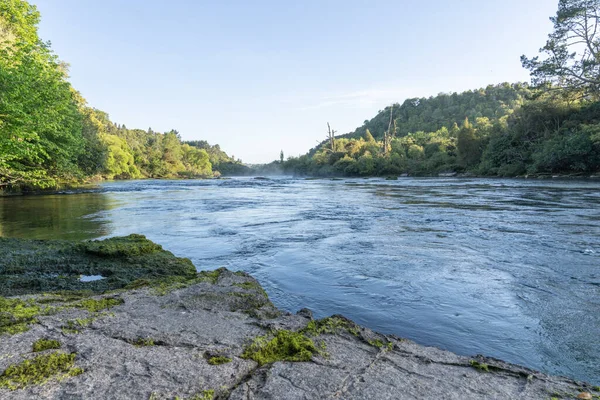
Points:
(217, 335)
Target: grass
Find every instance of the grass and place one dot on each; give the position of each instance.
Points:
(39, 370)
(282, 345)
(218, 360)
(45, 344)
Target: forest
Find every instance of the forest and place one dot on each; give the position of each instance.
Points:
(501, 130)
(51, 137)
(549, 127)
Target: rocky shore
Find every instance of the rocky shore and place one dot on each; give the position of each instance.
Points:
(150, 327)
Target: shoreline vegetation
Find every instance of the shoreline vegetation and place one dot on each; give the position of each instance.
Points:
(80, 318)
(94, 187)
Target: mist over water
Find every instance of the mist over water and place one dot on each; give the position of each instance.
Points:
(505, 268)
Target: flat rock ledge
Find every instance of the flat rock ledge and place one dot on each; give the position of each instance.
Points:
(190, 343)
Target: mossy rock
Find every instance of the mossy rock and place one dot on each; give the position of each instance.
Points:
(282, 345)
(219, 360)
(45, 344)
(39, 370)
(331, 326)
(129, 246)
(37, 266)
(16, 315)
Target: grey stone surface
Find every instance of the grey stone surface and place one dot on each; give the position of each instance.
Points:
(193, 324)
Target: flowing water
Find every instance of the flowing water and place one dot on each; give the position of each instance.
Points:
(505, 268)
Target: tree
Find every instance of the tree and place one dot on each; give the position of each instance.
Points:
(40, 124)
(331, 137)
(572, 52)
(390, 133)
(281, 157)
(468, 145)
(119, 160)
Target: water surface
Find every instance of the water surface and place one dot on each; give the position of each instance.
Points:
(505, 268)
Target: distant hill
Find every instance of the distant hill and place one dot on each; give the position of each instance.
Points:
(446, 109)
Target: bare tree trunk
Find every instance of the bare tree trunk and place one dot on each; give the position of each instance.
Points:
(331, 137)
(387, 137)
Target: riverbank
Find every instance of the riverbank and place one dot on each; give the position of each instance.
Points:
(95, 186)
(150, 327)
(90, 185)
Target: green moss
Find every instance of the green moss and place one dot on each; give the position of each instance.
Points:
(211, 276)
(39, 370)
(144, 342)
(377, 343)
(249, 302)
(331, 326)
(218, 360)
(596, 388)
(163, 286)
(94, 305)
(55, 266)
(283, 345)
(129, 246)
(480, 366)
(252, 286)
(77, 325)
(45, 344)
(205, 395)
(64, 296)
(16, 315)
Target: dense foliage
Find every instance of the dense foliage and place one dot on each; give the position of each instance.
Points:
(226, 165)
(48, 134)
(542, 135)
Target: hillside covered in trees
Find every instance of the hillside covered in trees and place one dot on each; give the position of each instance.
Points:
(50, 136)
(551, 127)
(502, 130)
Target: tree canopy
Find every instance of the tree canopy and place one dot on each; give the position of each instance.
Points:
(571, 56)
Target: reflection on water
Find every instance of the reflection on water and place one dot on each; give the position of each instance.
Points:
(506, 268)
(54, 216)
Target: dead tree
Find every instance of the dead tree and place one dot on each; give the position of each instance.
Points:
(331, 137)
(389, 134)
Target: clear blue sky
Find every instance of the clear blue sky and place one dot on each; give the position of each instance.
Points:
(261, 76)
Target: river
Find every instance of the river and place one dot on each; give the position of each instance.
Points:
(505, 268)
